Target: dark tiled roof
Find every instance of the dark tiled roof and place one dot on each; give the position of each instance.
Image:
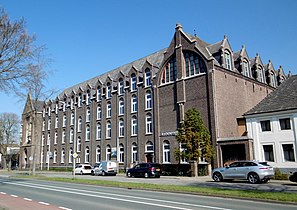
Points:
(282, 99)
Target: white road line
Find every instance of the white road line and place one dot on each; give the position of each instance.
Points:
(15, 196)
(27, 199)
(64, 208)
(43, 203)
(131, 200)
(3, 193)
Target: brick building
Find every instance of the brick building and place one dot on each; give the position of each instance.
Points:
(131, 114)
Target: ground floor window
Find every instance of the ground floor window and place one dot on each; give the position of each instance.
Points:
(166, 152)
(268, 153)
(134, 153)
(288, 150)
(121, 160)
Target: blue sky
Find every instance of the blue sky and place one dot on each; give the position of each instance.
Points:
(89, 37)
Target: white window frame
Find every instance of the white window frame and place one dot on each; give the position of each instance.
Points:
(148, 124)
(148, 100)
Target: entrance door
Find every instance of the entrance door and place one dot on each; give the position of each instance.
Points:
(149, 158)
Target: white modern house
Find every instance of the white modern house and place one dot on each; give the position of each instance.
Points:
(272, 124)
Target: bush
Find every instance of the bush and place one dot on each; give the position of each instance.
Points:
(279, 175)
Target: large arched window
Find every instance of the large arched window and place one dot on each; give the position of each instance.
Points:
(166, 151)
(194, 64)
(169, 72)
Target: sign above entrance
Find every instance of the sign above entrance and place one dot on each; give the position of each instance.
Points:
(168, 133)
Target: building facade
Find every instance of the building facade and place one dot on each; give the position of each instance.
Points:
(272, 124)
(131, 114)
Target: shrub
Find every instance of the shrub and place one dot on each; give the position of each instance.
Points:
(279, 175)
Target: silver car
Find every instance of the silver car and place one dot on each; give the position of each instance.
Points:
(253, 171)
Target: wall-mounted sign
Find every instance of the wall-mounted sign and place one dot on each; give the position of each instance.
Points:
(168, 133)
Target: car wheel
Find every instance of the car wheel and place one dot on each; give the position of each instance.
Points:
(129, 175)
(103, 173)
(264, 180)
(253, 178)
(146, 175)
(217, 177)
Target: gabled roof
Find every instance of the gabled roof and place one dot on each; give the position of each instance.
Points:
(282, 99)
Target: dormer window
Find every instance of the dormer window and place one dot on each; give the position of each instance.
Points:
(227, 57)
(272, 80)
(246, 69)
(80, 100)
(148, 81)
(98, 93)
(133, 82)
(121, 87)
(260, 74)
(108, 91)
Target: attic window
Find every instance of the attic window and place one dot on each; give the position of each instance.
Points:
(246, 70)
(227, 57)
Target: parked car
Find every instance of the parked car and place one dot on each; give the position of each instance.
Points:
(95, 166)
(106, 168)
(145, 170)
(253, 171)
(83, 169)
(293, 177)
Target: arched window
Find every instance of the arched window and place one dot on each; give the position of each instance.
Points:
(246, 68)
(64, 120)
(260, 74)
(88, 115)
(88, 97)
(121, 147)
(194, 64)
(108, 90)
(121, 128)
(169, 72)
(133, 104)
(78, 149)
(70, 155)
(63, 156)
(55, 156)
(133, 82)
(227, 57)
(56, 138)
(79, 126)
(88, 133)
(63, 136)
(108, 109)
(57, 122)
(272, 80)
(134, 152)
(134, 127)
(87, 155)
(149, 147)
(149, 124)
(98, 93)
(121, 87)
(71, 136)
(99, 112)
(108, 152)
(166, 151)
(148, 81)
(98, 154)
(72, 118)
(121, 107)
(148, 100)
(98, 136)
(108, 130)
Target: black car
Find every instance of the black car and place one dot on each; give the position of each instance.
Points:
(293, 177)
(145, 170)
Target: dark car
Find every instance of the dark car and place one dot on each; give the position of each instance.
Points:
(293, 177)
(145, 170)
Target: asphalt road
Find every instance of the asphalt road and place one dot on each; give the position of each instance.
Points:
(67, 196)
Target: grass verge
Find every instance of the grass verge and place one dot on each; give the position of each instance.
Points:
(247, 194)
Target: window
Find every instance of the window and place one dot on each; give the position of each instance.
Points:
(88, 115)
(64, 120)
(227, 57)
(57, 122)
(183, 150)
(108, 91)
(121, 107)
(87, 155)
(88, 133)
(71, 135)
(108, 130)
(149, 147)
(133, 82)
(134, 152)
(56, 138)
(149, 125)
(148, 81)
(98, 93)
(121, 128)
(122, 156)
(148, 100)
(268, 153)
(72, 103)
(99, 113)
(72, 118)
(49, 124)
(43, 125)
(79, 126)
(169, 72)
(70, 155)
(108, 152)
(285, 124)
(63, 156)
(78, 149)
(98, 131)
(265, 125)
(63, 137)
(121, 87)
(194, 64)
(246, 69)
(166, 152)
(48, 139)
(134, 104)
(55, 156)
(108, 109)
(98, 154)
(272, 80)
(79, 100)
(88, 98)
(134, 129)
(260, 74)
(288, 150)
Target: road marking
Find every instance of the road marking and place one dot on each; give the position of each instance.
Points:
(131, 200)
(64, 208)
(3, 193)
(27, 199)
(43, 203)
(15, 196)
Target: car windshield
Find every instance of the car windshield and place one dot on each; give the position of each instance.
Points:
(88, 167)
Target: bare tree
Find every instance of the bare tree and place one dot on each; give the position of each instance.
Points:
(18, 54)
(9, 136)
